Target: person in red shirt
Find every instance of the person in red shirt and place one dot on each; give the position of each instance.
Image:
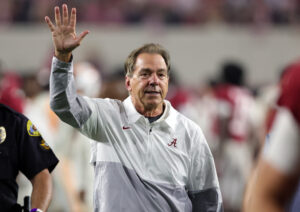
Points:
(233, 127)
(278, 170)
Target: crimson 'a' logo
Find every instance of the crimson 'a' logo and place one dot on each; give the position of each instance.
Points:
(173, 143)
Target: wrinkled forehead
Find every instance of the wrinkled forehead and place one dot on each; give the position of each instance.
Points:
(152, 61)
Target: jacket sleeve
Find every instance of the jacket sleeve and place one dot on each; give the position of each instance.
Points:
(203, 186)
(64, 101)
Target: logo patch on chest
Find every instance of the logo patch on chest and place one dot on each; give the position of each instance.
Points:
(126, 128)
(173, 143)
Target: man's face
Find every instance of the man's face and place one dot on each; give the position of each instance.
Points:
(148, 84)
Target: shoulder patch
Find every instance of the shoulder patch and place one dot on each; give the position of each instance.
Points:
(2, 134)
(32, 130)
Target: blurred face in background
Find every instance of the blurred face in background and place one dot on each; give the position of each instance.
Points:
(88, 79)
(148, 84)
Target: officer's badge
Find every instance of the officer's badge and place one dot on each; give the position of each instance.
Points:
(44, 145)
(31, 129)
(2, 134)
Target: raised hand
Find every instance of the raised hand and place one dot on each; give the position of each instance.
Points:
(64, 35)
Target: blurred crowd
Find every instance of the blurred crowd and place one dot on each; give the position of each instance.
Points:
(192, 12)
(234, 118)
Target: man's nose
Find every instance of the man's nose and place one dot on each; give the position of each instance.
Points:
(154, 79)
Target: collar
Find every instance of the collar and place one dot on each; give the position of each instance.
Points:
(168, 117)
(132, 114)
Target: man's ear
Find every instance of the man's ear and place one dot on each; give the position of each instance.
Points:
(127, 83)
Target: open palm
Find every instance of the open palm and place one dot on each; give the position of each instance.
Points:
(63, 33)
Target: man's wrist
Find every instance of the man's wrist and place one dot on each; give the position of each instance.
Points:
(36, 210)
(65, 57)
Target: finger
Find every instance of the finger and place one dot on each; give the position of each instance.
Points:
(50, 24)
(82, 35)
(73, 18)
(57, 16)
(65, 14)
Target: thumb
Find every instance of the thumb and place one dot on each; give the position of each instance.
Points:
(82, 35)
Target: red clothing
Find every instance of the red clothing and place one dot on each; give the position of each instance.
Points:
(238, 102)
(290, 90)
(178, 97)
(11, 93)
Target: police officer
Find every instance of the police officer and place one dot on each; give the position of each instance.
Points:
(23, 149)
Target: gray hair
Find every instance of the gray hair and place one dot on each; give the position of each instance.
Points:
(150, 48)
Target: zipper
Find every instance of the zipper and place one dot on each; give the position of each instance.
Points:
(149, 146)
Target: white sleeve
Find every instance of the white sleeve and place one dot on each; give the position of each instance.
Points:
(283, 148)
(203, 185)
(64, 101)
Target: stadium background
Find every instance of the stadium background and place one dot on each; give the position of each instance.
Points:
(263, 36)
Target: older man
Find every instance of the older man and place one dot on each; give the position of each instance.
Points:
(148, 157)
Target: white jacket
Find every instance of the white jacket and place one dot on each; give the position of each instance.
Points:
(164, 166)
